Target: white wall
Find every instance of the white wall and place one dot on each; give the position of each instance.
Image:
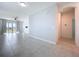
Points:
(43, 24)
(25, 21)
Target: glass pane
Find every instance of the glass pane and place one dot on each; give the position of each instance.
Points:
(10, 27)
(14, 25)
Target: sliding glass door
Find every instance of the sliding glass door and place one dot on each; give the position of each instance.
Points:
(11, 27)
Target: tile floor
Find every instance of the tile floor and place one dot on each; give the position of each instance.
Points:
(22, 45)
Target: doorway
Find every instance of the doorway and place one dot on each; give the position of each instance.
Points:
(67, 26)
(11, 26)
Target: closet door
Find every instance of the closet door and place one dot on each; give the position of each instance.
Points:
(67, 25)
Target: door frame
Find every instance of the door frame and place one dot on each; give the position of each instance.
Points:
(59, 20)
(10, 22)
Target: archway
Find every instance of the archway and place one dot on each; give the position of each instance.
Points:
(66, 26)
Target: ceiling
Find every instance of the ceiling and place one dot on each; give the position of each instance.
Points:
(68, 9)
(13, 9)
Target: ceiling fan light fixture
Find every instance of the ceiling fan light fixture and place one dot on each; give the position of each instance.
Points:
(22, 4)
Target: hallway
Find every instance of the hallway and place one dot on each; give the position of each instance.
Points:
(33, 30)
(22, 45)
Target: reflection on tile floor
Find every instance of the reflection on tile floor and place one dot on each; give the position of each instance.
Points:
(22, 45)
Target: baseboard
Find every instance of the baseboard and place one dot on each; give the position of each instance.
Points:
(43, 39)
